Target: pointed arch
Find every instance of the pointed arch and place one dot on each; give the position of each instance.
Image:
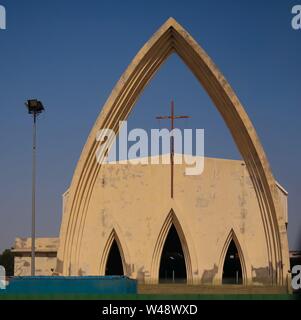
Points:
(106, 252)
(232, 237)
(172, 37)
(170, 220)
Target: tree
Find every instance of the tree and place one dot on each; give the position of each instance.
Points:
(7, 261)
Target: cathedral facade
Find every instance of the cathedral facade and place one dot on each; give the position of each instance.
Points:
(226, 226)
(135, 228)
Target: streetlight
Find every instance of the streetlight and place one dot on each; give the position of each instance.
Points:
(34, 107)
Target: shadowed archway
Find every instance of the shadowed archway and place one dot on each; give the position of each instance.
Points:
(171, 245)
(172, 264)
(232, 264)
(114, 263)
(232, 271)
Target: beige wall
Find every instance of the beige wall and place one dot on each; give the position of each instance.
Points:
(45, 265)
(46, 256)
(208, 210)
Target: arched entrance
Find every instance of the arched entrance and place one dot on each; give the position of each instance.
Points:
(114, 263)
(172, 264)
(232, 268)
(232, 271)
(115, 259)
(171, 245)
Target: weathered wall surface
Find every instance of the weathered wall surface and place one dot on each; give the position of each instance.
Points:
(45, 261)
(45, 265)
(135, 202)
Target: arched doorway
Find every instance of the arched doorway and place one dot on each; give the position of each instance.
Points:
(232, 271)
(172, 263)
(114, 263)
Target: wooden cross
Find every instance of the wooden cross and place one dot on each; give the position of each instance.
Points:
(172, 118)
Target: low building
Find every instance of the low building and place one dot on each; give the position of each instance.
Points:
(45, 262)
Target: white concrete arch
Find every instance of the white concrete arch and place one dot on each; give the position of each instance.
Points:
(172, 37)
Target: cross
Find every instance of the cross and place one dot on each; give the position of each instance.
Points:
(172, 118)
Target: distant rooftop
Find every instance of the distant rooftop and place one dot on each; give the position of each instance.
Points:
(42, 245)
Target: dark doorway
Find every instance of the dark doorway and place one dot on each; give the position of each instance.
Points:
(172, 264)
(114, 263)
(232, 273)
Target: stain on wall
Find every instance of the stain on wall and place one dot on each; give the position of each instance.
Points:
(261, 275)
(208, 275)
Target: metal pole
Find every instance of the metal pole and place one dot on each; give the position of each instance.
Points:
(33, 217)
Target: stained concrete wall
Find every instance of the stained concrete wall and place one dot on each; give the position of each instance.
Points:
(46, 256)
(210, 209)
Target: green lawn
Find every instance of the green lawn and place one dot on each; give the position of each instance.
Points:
(149, 297)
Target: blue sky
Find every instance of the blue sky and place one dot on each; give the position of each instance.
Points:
(70, 54)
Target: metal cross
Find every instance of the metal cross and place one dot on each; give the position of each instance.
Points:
(172, 118)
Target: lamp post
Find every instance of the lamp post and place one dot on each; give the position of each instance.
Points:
(34, 108)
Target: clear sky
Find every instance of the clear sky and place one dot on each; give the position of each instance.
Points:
(70, 54)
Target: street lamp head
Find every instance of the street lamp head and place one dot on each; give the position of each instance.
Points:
(34, 106)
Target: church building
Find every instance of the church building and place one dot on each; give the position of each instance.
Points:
(225, 227)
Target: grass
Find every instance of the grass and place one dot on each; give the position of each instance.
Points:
(4, 296)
